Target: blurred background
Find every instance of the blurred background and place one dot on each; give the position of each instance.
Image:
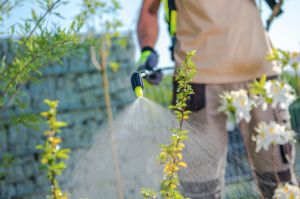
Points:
(77, 83)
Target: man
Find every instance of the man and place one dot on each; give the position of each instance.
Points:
(231, 45)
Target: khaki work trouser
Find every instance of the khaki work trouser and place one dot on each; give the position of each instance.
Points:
(206, 149)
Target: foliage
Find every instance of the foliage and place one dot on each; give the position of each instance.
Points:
(280, 95)
(285, 57)
(109, 28)
(171, 156)
(7, 161)
(52, 151)
(34, 46)
(273, 92)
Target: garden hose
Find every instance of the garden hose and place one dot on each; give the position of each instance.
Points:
(137, 79)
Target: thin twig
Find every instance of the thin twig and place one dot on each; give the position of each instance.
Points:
(60, 43)
(276, 10)
(291, 162)
(7, 67)
(4, 3)
(274, 166)
(9, 10)
(250, 162)
(11, 36)
(11, 97)
(94, 60)
(53, 184)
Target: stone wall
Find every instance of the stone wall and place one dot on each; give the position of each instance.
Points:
(78, 86)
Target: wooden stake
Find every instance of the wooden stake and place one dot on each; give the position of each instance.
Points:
(110, 117)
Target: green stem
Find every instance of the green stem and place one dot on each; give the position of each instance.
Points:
(13, 95)
(178, 141)
(53, 184)
(35, 58)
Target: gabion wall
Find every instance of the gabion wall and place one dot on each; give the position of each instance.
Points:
(78, 86)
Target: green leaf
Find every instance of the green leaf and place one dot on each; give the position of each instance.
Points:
(3, 173)
(43, 167)
(65, 150)
(263, 80)
(57, 14)
(62, 155)
(40, 147)
(114, 65)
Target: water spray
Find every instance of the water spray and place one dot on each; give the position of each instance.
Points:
(137, 82)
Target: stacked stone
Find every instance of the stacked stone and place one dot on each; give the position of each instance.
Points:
(77, 84)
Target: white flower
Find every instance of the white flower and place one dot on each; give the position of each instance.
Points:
(267, 134)
(224, 101)
(286, 136)
(272, 133)
(287, 192)
(295, 59)
(243, 105)
(260, 100)
(281, 93)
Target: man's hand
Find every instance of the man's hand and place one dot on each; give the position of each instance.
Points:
(148, 61)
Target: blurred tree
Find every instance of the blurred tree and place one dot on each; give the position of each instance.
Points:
(34, 46)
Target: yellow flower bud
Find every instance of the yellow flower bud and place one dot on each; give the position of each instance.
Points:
(44, 161)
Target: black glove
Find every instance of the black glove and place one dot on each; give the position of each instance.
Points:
(148, 61)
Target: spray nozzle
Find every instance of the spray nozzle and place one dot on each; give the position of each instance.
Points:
(137, 79)
(137, 84)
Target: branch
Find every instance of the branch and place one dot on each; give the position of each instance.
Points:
(7, 67)
(274, 166)
(94, 60)
(4, 106)
(29, 64)
(16, 4)
(6, 28)
(4, 3)
(276, 10)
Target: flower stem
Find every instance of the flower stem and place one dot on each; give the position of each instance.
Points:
(53, 184)
(287, 148)
(250, 162)
(274, 166)
(178, 140)
(291, 163)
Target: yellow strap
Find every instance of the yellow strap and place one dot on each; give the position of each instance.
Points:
(173, 22)
(166, 10)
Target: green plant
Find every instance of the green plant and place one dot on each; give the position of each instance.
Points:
(34, 45)
(52, 151)
(286, 58)
(7, 161)
(171, 156)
